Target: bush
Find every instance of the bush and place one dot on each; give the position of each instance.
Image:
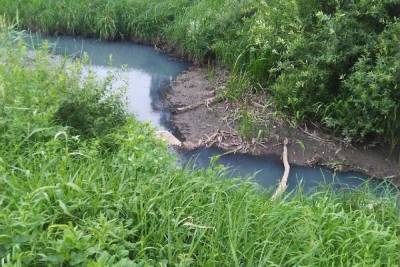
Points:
(266, 37)
(203, 25)
(321, 75)
(91, 111)
(371, 93)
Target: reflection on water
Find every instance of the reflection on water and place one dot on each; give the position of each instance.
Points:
(148, 73)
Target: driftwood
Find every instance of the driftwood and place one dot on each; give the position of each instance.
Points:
(283, 184)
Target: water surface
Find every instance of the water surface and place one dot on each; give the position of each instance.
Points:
(148, 74)
(268, 170)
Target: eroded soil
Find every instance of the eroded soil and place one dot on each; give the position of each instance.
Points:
(204, 119)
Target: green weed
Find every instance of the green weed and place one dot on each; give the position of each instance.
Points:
(119, 199)
(318, 59)
(211, 74)
(250, 126)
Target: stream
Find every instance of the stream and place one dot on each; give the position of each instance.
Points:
(148, 73)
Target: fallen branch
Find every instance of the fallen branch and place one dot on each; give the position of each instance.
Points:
(314, 136)
(283, 184)
(232, 151)
(212, 101)
(189, 107)
(207, 103)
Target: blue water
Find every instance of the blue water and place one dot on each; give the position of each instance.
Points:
(267, 170)
(147, 74)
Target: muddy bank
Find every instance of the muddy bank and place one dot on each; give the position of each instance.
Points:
(202, 118)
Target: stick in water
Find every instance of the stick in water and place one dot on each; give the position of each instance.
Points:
(283, 184)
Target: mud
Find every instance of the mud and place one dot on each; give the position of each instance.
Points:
(202, 118)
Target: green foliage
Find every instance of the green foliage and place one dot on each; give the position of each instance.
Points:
(266, 38)
(92, 110)
(313, 55)
(238, 85)
(136, 19)
(204, 24)
(250, 127)
(371, 93)
(64, 202)
(321, 76)
(321, 59)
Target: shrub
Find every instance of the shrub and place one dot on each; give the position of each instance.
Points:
(93, 110)
(321, 74)
(371, 93)
(203, 25)
(266, 38)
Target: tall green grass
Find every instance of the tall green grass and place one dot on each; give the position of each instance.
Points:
(100, 194)
(326, 61)
(141, 20)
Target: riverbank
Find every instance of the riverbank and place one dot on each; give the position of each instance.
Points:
(203, 117)
(334, 64)
(222, 123)
(208, 84)
(85, 184)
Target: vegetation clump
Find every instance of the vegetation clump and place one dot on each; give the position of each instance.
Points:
(91, 112)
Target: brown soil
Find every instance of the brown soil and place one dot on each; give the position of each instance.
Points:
(202, 119)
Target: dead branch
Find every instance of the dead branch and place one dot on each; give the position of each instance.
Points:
(208, 102)
(283, 184)
(212, 101)
(189, 107)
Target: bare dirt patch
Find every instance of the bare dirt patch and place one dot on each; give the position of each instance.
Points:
(204, 119)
